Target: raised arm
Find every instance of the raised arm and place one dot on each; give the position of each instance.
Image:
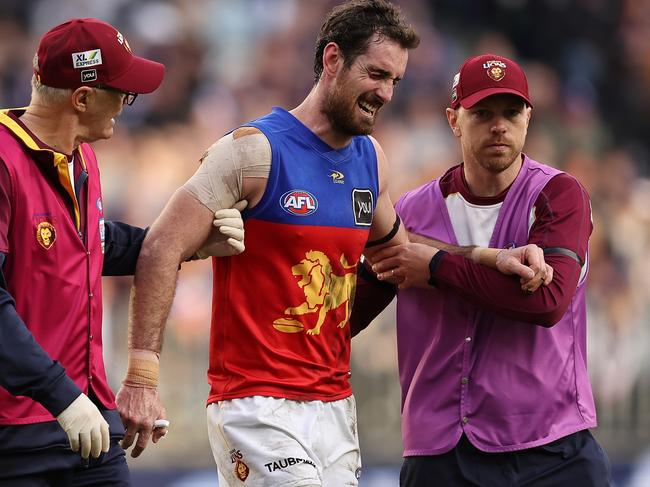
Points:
(412, 264)
(527, 262)
(405, 263)
(561, 229)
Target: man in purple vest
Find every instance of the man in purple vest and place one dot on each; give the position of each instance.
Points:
(58, 420)
(495, 389)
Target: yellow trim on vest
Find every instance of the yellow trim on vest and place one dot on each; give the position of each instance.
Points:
(60, 160)
(83, 160)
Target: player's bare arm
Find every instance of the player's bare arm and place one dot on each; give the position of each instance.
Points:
(175, 235)
(232, 169)
(386, 229)
(562, 230)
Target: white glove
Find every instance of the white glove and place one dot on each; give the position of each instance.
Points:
(85, 427)
(228, 236)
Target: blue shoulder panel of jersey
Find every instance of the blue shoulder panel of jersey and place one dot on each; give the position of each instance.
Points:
(311, 183)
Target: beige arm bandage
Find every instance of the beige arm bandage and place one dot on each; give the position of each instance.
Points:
(217, 184)
(143, 369)
(485, 256)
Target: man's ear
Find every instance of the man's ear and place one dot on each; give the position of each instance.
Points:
(332, 59)
(452, 119)
(81, 96)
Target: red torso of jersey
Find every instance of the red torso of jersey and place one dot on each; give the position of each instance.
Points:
(281, 308)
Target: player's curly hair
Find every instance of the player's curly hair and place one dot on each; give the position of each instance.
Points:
(353, 24)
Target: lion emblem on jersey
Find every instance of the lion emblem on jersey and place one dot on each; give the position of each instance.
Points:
(324, 291)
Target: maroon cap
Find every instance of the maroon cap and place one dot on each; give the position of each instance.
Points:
(487, 75)
(89, 52)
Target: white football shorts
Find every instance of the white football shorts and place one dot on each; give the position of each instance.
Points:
(274, 442)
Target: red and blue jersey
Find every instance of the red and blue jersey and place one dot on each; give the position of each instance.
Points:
(280, 309)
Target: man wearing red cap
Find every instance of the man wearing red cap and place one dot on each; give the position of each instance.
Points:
(56, 408)
(54, 247)
(495, 389)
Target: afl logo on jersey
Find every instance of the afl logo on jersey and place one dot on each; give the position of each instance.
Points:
(299, 202)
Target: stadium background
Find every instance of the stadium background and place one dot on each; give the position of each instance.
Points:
(229, 61)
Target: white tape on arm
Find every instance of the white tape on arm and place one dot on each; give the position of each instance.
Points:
(245, 153)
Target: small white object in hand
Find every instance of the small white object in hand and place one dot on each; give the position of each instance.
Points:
(161, 423)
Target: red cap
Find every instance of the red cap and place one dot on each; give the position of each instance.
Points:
(89, 52)
(487, 75)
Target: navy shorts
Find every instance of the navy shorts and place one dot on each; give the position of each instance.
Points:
(575, 460)
(59, 467)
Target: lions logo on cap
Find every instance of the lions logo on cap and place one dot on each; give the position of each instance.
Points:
(496, 70)
(45, 235)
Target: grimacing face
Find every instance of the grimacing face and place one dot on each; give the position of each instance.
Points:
(493, 132)
(362, 88)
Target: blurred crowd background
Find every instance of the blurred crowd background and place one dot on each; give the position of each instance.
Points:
(229, 61)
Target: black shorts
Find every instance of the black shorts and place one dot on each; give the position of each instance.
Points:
(59, 467)
(576, 460)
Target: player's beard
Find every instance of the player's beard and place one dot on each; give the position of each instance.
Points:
(340, 108)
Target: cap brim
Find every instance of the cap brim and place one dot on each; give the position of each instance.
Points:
(474, 98)
(143, 76)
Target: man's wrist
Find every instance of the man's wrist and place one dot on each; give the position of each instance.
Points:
(143, 369)
(434, 263)
(485, 256)
(62, 393)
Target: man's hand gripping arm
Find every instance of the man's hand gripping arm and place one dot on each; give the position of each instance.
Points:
(526, 262)
(405, 260)
(386, 232)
